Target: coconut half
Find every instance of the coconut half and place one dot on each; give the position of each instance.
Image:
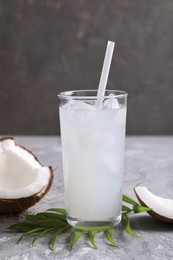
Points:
(162, 209)
(23, 180)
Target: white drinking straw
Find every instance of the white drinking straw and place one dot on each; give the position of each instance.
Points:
(105, 73)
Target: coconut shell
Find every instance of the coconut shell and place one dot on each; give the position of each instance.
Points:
(15, 206)
(153, 213)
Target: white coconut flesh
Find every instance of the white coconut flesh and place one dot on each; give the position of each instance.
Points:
(159, 205)
(21, 175)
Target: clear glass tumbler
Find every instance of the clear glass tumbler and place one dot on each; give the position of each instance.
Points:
(93, 140)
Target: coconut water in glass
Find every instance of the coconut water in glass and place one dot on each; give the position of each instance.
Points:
(93, 140)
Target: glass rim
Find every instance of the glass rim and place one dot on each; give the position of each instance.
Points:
(69, 94)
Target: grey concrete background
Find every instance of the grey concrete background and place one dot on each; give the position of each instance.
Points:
(51, 45)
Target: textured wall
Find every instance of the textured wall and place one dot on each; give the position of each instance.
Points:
(48, 45)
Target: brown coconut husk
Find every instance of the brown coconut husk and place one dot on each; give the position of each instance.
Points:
(16, 206)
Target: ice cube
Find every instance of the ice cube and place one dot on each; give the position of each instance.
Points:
(83, 106)
(78, 105)
(114, 163)
(69, 105)
(111, 102)
(76, 114)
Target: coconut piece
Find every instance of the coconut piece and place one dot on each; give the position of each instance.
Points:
(23, 180)
(162, 208)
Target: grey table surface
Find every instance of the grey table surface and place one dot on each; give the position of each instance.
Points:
(148, 160)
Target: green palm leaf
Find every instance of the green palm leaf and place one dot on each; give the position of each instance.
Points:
(91, 235)
(55, 236)
(109, 235)
(54, 221)
(76, 234)
(126, 223)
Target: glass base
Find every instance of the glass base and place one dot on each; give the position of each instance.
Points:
(93, 225)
